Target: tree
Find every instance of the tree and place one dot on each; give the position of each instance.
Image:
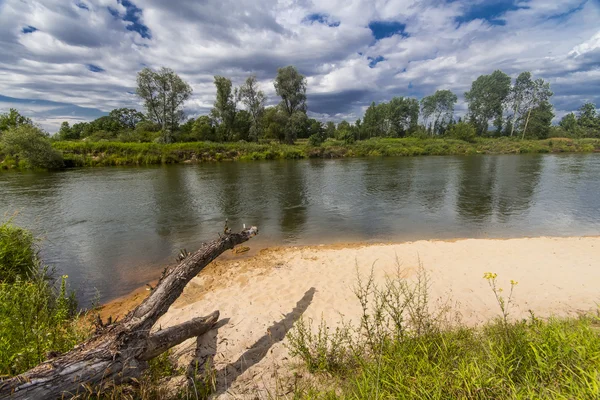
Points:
(290, 85)
(297, 126)
(569, 123)
(440, 105)
(587, 116)
(274, 122)
(523, 85)
(486, 100)
(204, 129)
(224, 108)
(163, 93)
(402, 115)
(536, 96)
(31, 145)
(540, 120)
(330, 129)
(254, 100)
(13, 119)
(372, 121)
(242, 126)
(127, 118)
(66, 132)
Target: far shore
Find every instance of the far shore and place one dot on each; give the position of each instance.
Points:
(558, 276)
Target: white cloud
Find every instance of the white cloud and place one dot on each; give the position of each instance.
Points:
(556, 40)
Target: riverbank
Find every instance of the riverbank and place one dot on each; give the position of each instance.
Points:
(262, 296)
(91, 154)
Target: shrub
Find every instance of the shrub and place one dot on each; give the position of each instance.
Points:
(315, 140)
(462, 131)
(30, 145)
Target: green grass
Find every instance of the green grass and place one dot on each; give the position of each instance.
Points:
(91, 154)
(36, 316)
(402, 351)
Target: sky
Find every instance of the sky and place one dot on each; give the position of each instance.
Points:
(76, 60)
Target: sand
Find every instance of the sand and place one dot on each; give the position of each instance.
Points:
(260, 297)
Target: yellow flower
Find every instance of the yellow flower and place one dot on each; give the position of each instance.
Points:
(489, 275)
(513, 283)
(500, 289)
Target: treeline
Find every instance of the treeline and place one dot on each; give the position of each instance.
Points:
(497, 106)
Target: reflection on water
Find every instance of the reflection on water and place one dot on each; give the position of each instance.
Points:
(113, 229)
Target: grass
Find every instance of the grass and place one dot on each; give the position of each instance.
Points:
(37, 314)
(400, 350)
(92, 154)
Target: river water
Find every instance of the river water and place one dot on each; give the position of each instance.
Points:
(114, 229)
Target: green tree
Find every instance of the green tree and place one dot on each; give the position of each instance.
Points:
(517, 96)
(290, 85)
(204, 129)
(13, 119)
(29, 145)
(330, 129)
(487, 98)
(569, 123)
(540, 121)
(163, 93)
(536, 97)
(224, 109)
(127, 118)
(274, 122)
(402, 115)
(587, 116)
(254, 100)
(242, 126)
(372, 121)
(66, 132)
(296, 127)
(440, 106)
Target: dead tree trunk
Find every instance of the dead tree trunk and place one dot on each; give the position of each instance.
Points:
(121, 350)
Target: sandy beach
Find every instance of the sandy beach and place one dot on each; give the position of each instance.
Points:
(260, 297)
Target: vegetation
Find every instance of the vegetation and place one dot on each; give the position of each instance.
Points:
(91, 154)
(516, 110)
(402, 350)
(36, 317)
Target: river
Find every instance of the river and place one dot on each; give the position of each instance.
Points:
(114, 229)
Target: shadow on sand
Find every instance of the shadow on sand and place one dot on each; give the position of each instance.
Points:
(207, 346)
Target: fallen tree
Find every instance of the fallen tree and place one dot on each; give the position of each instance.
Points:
(120, 351)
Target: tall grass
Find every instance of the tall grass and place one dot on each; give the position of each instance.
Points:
(89, 154)
(402, 350)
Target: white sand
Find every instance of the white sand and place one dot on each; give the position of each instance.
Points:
(557, 276)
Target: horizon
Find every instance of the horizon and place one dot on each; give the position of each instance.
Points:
(77, 61)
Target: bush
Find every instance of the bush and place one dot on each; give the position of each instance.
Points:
(462, 131)
(32, 147)
(315, 140)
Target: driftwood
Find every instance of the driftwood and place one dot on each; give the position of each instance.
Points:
(120, 351)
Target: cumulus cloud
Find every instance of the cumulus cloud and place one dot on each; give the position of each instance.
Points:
(84, 55)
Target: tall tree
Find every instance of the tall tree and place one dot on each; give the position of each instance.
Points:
(537, 96)
(163, 93)
(254, 100)
(487, 98)
(587, 116)
(440, 105)
(290, 85)
(225, 106)
(402, 114)
(518, 93)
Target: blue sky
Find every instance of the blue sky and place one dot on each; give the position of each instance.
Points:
(75, 60)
